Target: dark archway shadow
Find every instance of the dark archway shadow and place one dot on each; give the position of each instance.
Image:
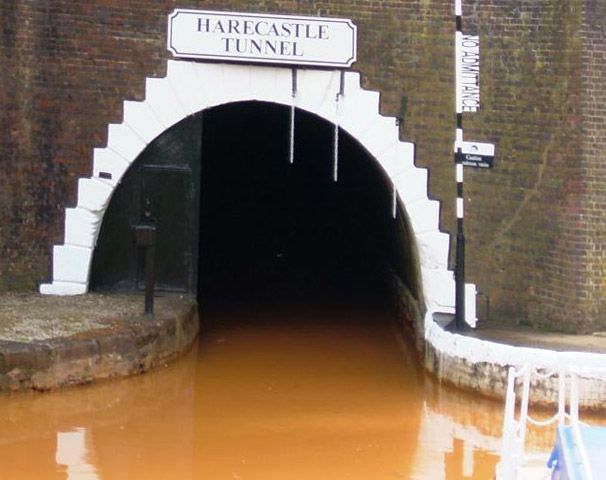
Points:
(240, 226)
(275, 233)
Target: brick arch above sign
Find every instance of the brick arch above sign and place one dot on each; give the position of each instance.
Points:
(190, 87)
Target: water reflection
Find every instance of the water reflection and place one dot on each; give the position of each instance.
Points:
(73, 453)
(451, 450)
(286, 396)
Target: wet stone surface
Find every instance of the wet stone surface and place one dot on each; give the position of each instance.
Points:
(48, 342)
(31, 317)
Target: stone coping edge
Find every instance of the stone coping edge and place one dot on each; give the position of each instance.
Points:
(482, 366)
(59, 362)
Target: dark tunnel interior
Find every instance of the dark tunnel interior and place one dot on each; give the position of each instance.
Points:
(272, 232)
(241, 226)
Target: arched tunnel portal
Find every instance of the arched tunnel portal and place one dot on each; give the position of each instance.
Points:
(239, 224)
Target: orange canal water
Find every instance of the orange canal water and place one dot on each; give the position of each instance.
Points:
(264, 395)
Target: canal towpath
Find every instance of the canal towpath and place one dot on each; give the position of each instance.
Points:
(48, 342)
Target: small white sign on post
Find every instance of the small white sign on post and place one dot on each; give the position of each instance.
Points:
(467, 54)
(248, 37)
(476, 154)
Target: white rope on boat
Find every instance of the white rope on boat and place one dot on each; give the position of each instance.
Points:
(544, 423)
(547, 374)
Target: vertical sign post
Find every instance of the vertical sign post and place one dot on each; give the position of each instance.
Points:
(145, 238)
(467, 99)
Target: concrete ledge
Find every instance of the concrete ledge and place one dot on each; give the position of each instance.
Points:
(128, 344)
(482, 366)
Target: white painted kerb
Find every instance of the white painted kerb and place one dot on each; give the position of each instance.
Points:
(590, 367)
(190, 87)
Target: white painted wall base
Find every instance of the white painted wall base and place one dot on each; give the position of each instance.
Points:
(63, 288)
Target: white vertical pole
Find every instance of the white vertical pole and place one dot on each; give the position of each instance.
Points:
(574, 399)
(561, 397)
(524, 410)
(506, 465)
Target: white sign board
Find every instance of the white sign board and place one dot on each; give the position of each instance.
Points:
(247, 37)
(467, 53)
(476, 154)
(475, 147)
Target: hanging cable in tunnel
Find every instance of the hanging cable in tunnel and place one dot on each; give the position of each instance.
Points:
(291, 151)
(340, 93)
(394, 205)
(335, 165)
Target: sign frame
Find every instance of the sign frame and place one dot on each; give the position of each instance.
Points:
(285, 22)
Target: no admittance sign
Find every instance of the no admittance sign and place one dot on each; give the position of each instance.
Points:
(467, 56)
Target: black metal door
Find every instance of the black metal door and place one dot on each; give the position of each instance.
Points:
(161, 187)
(166, 198)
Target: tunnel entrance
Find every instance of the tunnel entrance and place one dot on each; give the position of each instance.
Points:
(239, 225)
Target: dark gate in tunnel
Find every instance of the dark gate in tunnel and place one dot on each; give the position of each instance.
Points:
(239, 224)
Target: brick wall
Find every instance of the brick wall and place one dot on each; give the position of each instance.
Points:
(591, 215)
(532, 222)
(529, 255)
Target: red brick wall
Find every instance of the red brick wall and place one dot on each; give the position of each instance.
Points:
(589, 222)
(533, 224)
(520, 214)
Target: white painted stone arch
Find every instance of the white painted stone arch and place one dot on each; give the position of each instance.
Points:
(190, 87)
